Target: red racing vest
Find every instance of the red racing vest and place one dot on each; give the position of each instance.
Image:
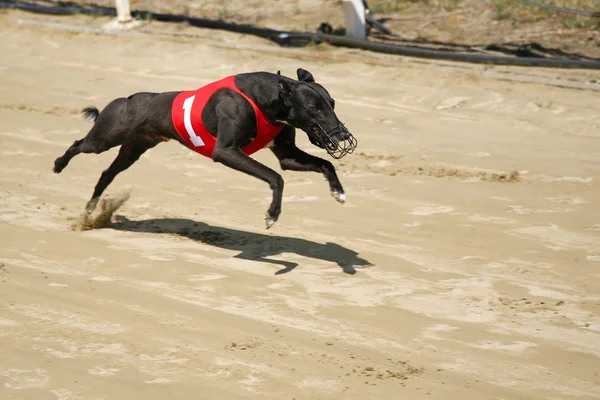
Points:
(187, 119)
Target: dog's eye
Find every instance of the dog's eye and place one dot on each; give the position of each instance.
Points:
(315, 109)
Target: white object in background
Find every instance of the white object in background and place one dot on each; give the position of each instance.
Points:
(124, 20)
(123, 11)
(354, 15)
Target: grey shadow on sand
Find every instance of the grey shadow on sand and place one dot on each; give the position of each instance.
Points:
(252, 246)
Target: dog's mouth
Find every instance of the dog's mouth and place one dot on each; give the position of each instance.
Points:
(337, 141)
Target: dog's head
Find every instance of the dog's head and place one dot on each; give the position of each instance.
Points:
(310, 107)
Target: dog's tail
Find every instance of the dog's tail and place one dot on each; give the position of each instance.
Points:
(90, 113)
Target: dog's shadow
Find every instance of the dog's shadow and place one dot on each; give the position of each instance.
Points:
(252, 246)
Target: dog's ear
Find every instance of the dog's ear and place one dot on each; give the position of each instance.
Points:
(304, 75)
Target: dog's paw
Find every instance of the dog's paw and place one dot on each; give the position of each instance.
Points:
(269, 221)
(339, 196)
(59, 165)
(91, 205)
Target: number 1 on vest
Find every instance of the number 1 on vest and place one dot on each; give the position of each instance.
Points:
(187, 120)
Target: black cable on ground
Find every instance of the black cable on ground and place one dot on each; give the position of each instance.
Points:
(454, 56)
(585, 13)
(302, 38)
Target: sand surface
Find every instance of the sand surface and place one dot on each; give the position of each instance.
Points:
(465, 264)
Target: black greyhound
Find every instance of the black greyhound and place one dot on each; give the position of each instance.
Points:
(229, 121)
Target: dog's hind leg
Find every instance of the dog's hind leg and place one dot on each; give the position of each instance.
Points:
(292, 158)
(129, 153)
(106, 133)
(61, 162)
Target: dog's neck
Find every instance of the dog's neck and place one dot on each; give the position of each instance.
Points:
(281, 112)
(273, 108)
(263, 89)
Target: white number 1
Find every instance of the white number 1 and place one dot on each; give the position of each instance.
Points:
(187, 121)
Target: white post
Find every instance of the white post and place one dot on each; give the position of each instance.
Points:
(123, 11)
(354, 15)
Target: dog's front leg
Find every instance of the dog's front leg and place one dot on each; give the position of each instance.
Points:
(235, 158)
(293, 159)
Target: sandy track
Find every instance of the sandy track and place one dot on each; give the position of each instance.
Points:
(438, 279)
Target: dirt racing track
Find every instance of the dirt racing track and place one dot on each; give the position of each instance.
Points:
(464, 265)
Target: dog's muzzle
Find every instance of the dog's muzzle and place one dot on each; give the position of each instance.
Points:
(337, 141)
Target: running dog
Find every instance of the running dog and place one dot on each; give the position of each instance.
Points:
(227, 121)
